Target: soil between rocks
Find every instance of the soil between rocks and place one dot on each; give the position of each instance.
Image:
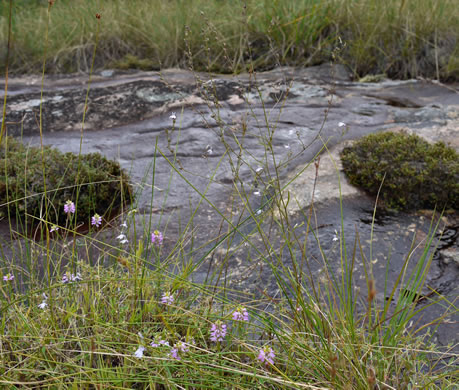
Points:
(297, 111)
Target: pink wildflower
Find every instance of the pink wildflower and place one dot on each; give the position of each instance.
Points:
(160, 342)
(217, 331)
(178, 348)
(266, 355)
(8, 277)
(167, 298)
(241, 314)
(96, 220)
(174, 353)
(69, 207)
(157, 237)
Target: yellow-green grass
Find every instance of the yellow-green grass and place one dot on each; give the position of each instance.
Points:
(400, 38)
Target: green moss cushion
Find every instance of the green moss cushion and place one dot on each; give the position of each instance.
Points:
(103, 185)
(417, 174)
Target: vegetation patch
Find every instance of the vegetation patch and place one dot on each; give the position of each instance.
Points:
(416, 174)
(37, 183)
(400, 38)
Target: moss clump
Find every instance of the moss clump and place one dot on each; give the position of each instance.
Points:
(103, 186)
(417, 174)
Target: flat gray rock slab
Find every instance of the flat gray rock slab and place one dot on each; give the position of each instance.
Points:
(237, 136)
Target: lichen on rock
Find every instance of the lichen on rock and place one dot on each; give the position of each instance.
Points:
(414, 173)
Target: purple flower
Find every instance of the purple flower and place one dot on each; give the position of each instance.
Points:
(178, 348)
(174, 353)
(69, 207)
(160, 342)
(167, 298)
(157, 237)
(266, 355)
(241, 314)
(54, 228)
(96, 220)
(217, 331)
(8, 277)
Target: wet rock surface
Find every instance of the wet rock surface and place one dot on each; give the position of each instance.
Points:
(240, 135)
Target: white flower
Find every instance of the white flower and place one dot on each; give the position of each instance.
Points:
(341, 124)
(123, 239)
(124, 224)
(69, 277)
(335, 237)
(54, 228)
(42, 305)
(257, 193)
(259, 169)
(139, 353)
(173, 116)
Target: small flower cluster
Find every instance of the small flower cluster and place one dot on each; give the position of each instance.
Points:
(217, 331)
(122, 237)
(167, 298)
(178, 348)
(44, 303)
(69, 207)
(335, 237)
(241, 314)
(8, 277)
(139, 352)
(157, 238)
(159, 342)
(96, 220)
(266, 355)
(176, 351)
(69, 277)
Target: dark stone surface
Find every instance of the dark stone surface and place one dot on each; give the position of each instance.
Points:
(217, 146)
